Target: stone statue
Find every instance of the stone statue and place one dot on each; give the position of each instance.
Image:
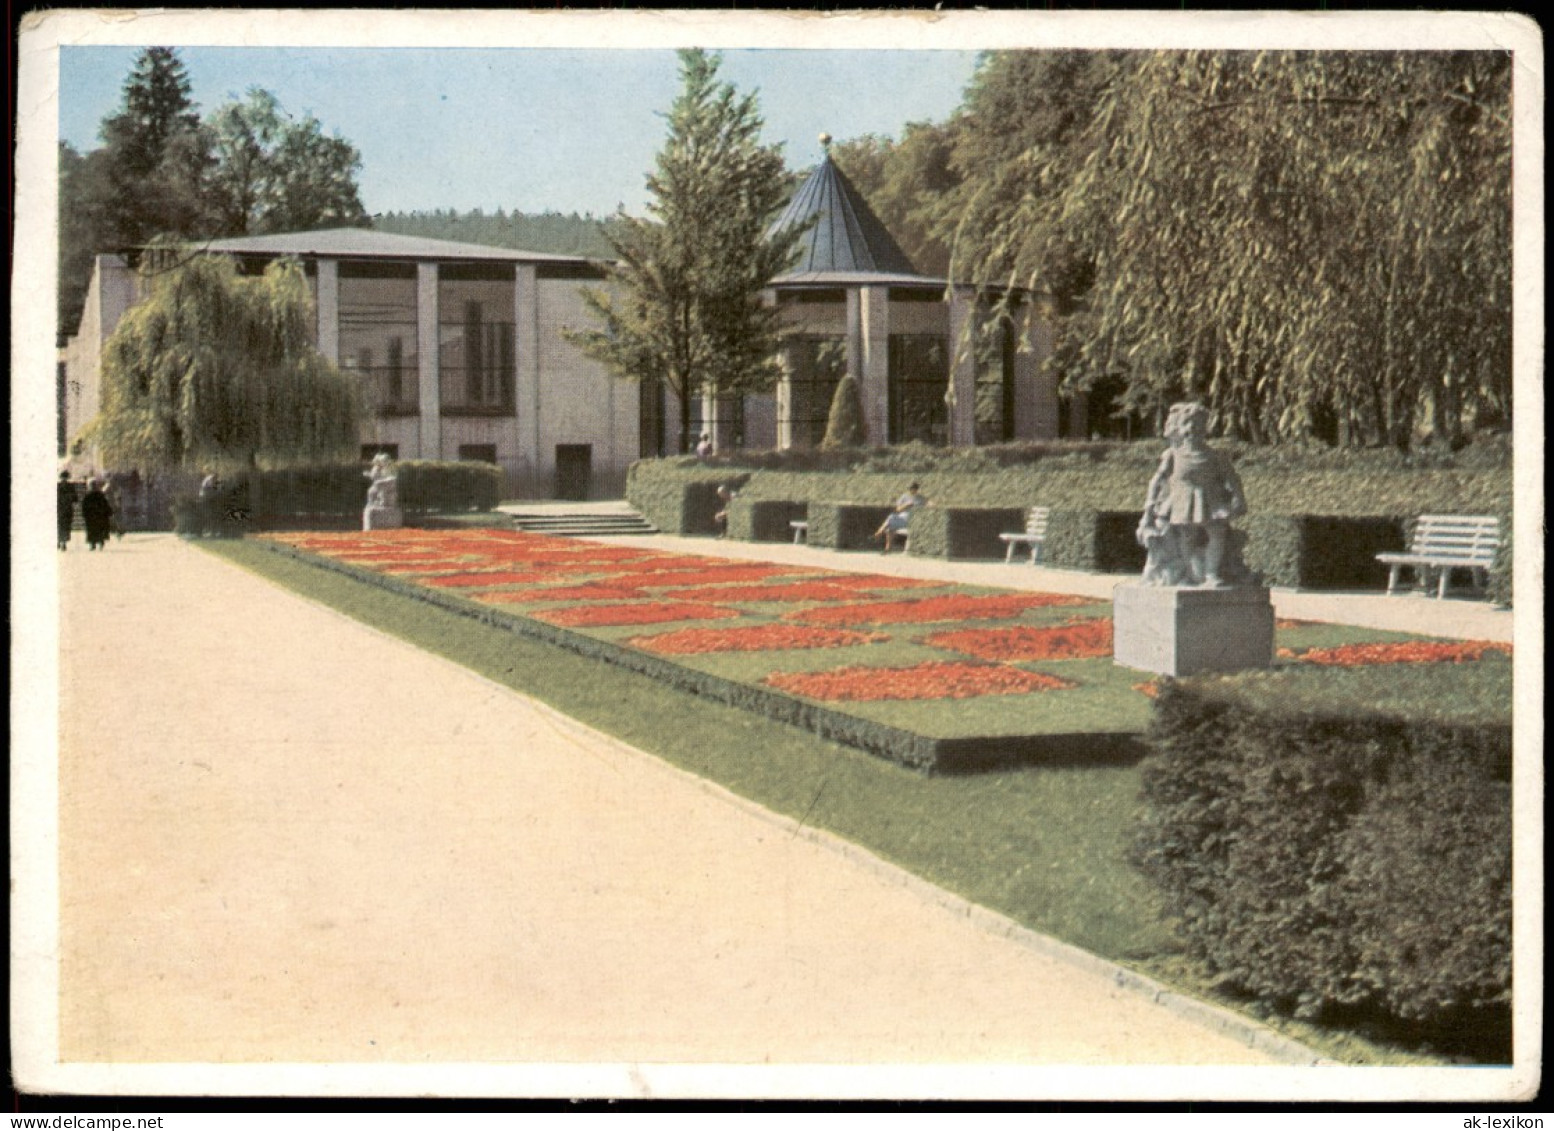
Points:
(382, 496)
(1187, 511)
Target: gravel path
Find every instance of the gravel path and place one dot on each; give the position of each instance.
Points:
(288, 837)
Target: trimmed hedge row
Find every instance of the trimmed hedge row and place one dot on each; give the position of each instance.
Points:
(1317, 518)
(1345, 858)
(424, 485)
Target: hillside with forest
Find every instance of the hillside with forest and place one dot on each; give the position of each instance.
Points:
(554, 233)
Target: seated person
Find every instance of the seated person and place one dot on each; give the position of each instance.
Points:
(720, 520)
(897, 521)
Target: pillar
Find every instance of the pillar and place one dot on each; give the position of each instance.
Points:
(963, 367)
(868, 356)
(428, 351)
(526, 397)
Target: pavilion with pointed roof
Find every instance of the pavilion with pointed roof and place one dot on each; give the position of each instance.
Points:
(932, 361)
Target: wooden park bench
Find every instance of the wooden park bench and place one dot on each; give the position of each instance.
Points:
(1034, 535)
(1445, 542)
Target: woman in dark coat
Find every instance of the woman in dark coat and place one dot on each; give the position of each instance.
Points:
(67, 508)
(97, 513)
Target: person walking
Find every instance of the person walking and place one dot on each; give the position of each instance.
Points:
(97, 512)
(66, 503)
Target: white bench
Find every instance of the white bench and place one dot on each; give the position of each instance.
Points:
(800, 531)
(1034, 535)
(1446, 542)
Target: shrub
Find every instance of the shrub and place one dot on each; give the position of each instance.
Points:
(1322, 838)
(844, 426)
(435, 485)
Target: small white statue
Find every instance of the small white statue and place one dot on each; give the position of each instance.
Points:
(384, 488)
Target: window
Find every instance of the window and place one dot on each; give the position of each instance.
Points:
(650, 417)
(728, 420)
(919, 378)
(480, 453)
(995, 383)
(378, 339)
(476, 341)
(815, 366)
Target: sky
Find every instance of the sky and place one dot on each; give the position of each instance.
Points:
(532, 130)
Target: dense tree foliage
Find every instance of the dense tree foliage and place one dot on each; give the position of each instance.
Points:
(216, 368)
(163, 172)
(905, 183)
(1314, 244)
(554, 233)
(686, 311)
(274, 173)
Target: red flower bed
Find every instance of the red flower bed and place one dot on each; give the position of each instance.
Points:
(1077, 640)
(759, 638)
(576, 593)
(795, 591)
(929, 609)
(1402, 652)
(659, 612)
(1151, 689)
(957, 680)
(669, 579)
(474, 579)
(437, 566)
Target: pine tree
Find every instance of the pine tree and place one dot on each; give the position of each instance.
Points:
(687, 311)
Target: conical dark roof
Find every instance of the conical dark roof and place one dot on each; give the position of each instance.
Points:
(848, 237)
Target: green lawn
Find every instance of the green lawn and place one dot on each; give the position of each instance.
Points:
(1045, 846)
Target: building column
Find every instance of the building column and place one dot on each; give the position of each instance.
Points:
(328, 279)
(963, 367)
(428, 350)
(868, 356)
(1036, 406)
(526, 322)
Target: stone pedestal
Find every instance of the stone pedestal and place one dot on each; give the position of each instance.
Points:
(1176, 630)
(382, 518)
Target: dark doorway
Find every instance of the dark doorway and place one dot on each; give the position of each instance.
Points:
(573, 468)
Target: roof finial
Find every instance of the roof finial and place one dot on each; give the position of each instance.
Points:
(825, 142)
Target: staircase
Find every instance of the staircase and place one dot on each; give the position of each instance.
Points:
(590, 522)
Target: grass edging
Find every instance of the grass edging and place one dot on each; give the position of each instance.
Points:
(943, 835)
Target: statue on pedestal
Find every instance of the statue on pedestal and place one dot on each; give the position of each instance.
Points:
(382, 510)
(1187, 511)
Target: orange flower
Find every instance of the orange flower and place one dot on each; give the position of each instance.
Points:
(924, 681)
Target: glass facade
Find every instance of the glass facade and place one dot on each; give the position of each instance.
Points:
(378, 338)
(477, 346)
(995, 383)
(815, 365)
(919, 378)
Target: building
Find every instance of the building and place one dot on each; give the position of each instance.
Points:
(461, 350)
(854, 303)
(463, 353)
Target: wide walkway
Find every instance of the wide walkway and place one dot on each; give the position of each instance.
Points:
(288, 837)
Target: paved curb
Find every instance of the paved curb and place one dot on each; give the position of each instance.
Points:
(1224, 1021)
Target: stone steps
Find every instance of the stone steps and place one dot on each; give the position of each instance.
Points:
(583, 525)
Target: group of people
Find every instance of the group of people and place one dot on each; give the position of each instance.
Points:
(97, 512)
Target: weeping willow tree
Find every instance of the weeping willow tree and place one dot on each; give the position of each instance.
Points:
(218, 369)
(1312, 243)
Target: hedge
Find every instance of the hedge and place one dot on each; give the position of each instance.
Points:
(1317, 517)
(341, 489)
(1338, 842)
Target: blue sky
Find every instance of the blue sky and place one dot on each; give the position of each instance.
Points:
(529, 129)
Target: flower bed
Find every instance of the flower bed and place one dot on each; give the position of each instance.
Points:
(1403, 652)
(1077, 640)
(798, 591)
(586, 592)
(599, 616)
(930, 609)
(953, 680)
(757, 638)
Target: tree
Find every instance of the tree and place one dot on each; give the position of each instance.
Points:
(156, 153)
(219, 369)
(904, 182)
(687, 311)
(844, 426)
(1313, 244)
(274, 174)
